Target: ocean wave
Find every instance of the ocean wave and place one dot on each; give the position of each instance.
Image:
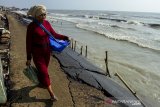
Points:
(81, 23)
(138, 41)
(134, 22)
(112, 19)
(157, 39)
(105, 17)
(115, 26)
(59, 14)
(79, 16)
(152, 25)
(131, 29)
(109, 25)
(100, 17)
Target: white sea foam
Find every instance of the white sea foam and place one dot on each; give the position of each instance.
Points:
(59, 15)
(117, 36)
(104, 29)
(134, 22)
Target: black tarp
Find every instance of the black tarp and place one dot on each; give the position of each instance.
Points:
(77, 67)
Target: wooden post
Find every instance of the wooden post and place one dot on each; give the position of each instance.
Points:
(133, 92)
(106, 61)
(81, 49)
(72, 43)
(70, 40)
(75, 45)
(86, 51)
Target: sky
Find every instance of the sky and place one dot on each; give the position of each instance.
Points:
(112, 5)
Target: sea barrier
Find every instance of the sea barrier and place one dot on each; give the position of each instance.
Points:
(5, 41)
(74, 44)
(3, 95)
(78, 68)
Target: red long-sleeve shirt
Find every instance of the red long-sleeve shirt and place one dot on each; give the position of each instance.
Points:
(35, 35)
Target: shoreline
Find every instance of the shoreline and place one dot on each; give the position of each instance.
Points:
(137, 58)
(76, 94)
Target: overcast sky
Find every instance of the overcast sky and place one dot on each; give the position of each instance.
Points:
(115, 5)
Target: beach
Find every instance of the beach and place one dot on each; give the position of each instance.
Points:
(131, 39)
(24, 93)
(113, 58)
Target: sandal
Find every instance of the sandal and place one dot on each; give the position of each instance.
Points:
(54, 98)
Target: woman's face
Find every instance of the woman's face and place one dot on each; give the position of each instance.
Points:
(41, 17)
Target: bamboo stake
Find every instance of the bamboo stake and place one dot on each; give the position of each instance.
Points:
(72, 43)
(70, 40)
(133, 92)
(86, 51)
(75, 45)
(116, 74)
(106, 61)
(81, 49)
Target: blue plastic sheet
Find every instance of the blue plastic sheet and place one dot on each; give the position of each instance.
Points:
(58, 45)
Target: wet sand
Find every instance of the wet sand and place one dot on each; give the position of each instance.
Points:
(71, 93)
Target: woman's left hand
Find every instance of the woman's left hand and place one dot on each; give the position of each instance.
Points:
(66, 38)
(28, 62)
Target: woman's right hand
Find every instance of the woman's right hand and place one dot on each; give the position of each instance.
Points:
(28, 62)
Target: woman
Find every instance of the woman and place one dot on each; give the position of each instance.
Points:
(37, 45)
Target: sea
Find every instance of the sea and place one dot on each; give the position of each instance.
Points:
(131, 39)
